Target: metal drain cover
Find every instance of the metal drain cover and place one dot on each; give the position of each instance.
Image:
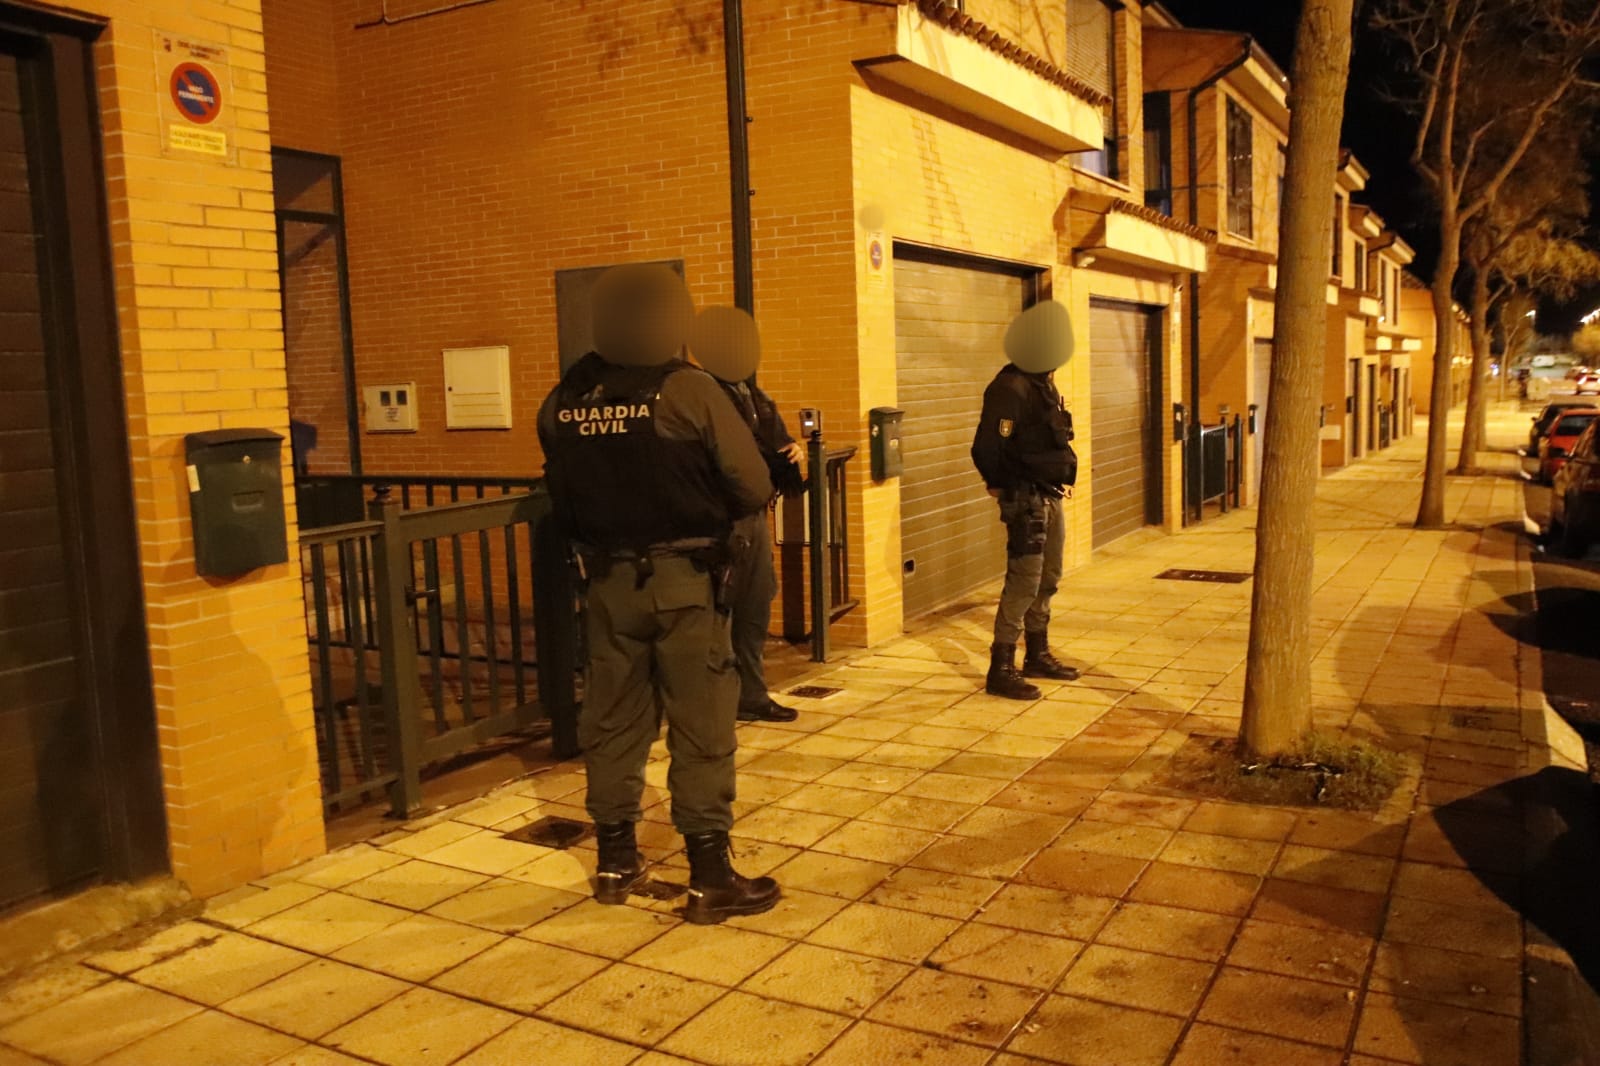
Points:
(1215, 577)
(814, 692)
(552, 832)
(1472, 721)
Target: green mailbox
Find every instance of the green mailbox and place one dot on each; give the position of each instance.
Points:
(236, 500)
(883, 424)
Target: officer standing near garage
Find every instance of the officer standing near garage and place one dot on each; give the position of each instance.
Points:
(1023, 449)
(649, 466)
(726, 342)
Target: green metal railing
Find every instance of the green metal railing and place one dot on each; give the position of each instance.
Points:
(434, 629)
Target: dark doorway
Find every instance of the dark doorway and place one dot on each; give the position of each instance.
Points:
(1371, 417)
(80, 799)
(1353, 405)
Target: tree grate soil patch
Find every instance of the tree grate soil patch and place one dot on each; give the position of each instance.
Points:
(1324, 772)
(552, 832)
(662, 891)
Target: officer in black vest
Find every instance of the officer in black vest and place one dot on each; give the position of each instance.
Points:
(726, 342)
(649, 466)
(1023, 449)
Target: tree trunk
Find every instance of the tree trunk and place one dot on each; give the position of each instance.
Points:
(1277, 694)
(1472, 431)
(1431, 512)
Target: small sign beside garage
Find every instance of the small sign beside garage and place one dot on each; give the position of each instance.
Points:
(194, 89)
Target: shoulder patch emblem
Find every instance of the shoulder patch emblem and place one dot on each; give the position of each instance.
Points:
(1006, 426)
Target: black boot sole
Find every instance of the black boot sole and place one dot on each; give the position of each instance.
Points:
(612, 892)
(1030, 696)
(1050, 675)
(706, 914)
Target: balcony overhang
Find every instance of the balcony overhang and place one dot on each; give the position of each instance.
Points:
(1360, 303)
(1388, 340)
(1125, 232)
(961, 63)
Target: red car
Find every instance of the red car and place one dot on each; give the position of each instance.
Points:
(1575, 501)
(1557, 444)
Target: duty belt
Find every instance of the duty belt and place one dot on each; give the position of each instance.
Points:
(706, 555)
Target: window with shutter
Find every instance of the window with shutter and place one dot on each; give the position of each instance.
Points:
(1091, 58)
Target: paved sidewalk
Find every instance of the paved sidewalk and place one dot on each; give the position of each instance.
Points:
(969, 881)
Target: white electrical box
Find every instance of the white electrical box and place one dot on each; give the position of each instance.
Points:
(477, 388)
(391, 408)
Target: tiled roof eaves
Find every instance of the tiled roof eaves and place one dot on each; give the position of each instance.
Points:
(1156, 218)
(957, 22)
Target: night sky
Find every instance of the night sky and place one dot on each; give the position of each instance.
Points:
(1374, 129)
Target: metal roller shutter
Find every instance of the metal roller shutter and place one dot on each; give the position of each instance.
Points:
(950, 324)
(1124, 478)
(1263, 375)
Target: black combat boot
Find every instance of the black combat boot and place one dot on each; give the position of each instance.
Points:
(621, 869)
(716, 891)
(1003, 679)
(1038, 662)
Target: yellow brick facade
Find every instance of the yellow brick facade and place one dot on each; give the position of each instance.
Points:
(196, 287)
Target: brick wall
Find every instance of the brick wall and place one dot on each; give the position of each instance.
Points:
(303, 71)
(196, 282)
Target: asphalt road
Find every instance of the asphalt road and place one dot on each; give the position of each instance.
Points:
(1569, 631)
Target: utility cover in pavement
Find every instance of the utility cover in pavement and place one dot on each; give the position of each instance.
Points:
(552, 832)
(1216, 577)
(1472, 721)
(814, 692)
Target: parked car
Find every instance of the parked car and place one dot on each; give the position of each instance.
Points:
(1588, 381)
(1575, 499)
(1547, 418)
(1557, 444)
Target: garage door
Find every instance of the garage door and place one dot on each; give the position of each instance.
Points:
(1124, 475)
(1263, 375)
(950, 324)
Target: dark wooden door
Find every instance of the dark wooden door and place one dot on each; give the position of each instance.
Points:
(79, 775)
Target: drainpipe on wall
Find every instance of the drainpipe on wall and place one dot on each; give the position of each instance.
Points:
(738, 155)
(1192, 445)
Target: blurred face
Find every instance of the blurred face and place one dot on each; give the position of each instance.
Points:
(725, 341)
(641, 315)
(1040, 339)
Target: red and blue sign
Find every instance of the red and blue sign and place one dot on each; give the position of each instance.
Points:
(197, 93)
(875, 254)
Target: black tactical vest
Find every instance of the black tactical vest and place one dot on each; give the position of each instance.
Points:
(1044, 435)
(618, 485)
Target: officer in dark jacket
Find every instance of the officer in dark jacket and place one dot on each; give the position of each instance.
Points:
(1023, 449)
(726, 342)
(649, 466)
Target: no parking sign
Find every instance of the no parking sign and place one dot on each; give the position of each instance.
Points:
(194, 87)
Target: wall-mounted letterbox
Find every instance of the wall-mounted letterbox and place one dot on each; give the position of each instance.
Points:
(236, 500)
(884, 426)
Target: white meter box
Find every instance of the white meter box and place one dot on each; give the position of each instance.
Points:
(477, 388)
(391, 408)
